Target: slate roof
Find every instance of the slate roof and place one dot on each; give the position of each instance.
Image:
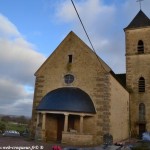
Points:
(67, 99)
(140, 20)
(122, 79)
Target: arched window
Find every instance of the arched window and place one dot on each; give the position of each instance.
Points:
(140, 47)
(141, 84)
(142, 112)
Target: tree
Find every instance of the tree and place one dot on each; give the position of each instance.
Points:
(5, 118)
(23, 120)
(2, 126)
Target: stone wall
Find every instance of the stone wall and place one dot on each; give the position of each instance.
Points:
(137, 65)
(86, 69)
(91, 75)
(119, 111)
(80, 139)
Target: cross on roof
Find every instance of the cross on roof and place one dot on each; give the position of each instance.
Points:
(139, 2)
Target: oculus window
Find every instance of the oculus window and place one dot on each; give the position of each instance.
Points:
(68, 78)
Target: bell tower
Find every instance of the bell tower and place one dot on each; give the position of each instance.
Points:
(137, 38)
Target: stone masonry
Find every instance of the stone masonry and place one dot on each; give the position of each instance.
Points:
(93, 76)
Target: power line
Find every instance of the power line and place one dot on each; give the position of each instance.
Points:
(83, 26)
(87, 34)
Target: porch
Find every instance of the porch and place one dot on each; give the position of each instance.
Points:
(66, 115)
(64, 127)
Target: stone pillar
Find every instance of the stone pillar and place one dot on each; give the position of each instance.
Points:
(38, 132)
(81, 123)
(43, 127)
(66, 122)
(38, 117)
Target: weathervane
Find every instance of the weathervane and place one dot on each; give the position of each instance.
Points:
(140, 2)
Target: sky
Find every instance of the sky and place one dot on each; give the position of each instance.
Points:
(31, 30)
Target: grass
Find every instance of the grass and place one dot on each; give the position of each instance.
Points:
(14, 126)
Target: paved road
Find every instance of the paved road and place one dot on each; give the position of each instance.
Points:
(15, 143)
(20, 143)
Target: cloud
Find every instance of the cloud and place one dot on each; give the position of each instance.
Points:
(7, 28)
(22, 107)
(18, 60)
(100, 21)
(9, 93)
(18, 63)
(14, 98)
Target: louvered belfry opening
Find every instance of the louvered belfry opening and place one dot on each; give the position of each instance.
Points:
(141, 84)
(140, 47)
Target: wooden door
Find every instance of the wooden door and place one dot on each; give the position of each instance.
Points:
(142, 129)
(71, 122)
(60, 127)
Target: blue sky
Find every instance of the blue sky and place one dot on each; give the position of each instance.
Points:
(31, 30)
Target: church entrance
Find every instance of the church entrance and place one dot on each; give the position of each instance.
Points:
(142, 123)
(142, 129)
(60, 126)
(71, 122)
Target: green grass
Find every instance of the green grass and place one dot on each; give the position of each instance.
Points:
(14, 126)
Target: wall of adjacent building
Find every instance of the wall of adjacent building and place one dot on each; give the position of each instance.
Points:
(119, 111)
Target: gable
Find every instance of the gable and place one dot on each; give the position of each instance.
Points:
(73, 45)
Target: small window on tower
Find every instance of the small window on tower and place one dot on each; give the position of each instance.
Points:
(141, 84)
(70, 58)
(140, 47)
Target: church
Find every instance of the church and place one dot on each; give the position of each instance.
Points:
(79, 100)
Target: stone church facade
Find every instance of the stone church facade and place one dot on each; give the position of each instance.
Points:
(78, 99)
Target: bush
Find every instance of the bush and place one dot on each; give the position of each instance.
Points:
(2, 126)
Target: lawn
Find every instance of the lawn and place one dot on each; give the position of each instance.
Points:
(13, 126)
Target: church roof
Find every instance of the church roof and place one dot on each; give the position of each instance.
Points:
(122, 79)
(67, 99)
(140, 20)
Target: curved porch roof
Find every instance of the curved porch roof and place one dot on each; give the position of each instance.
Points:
(68, 99)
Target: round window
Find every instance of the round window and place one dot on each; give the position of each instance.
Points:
(68, 78)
